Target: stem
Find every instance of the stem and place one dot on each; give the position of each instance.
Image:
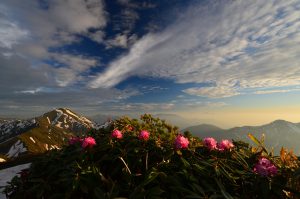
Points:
(147, 161)
(125, 165)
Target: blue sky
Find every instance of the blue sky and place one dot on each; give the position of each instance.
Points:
(216, 61)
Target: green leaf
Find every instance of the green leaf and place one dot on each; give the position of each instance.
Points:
(223, 191)
(151, 177)
(198, 189)
(185, 162)
(257, 142)
(254, 139)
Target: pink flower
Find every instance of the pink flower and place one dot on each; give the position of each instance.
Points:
(116, 134)
(210, 143)
(88, 142)
(181, 142)
(144, 135)
(265, 167)
(74, 140)
(225, 145)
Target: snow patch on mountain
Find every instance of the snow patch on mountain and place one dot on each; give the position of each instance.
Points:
(54, 147)
(7, 174)
(58, 124)
(11, 128)
(101, 126)
(32, 139)
(48, 120)
(16, 149)
(59, 113)
(83, 119)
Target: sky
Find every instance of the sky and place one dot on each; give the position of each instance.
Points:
(224, 62)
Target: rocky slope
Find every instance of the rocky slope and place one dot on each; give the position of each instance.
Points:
(43, 133)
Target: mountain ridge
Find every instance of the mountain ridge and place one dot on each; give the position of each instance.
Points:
(277, 133)
(40, 134)
(52, 129)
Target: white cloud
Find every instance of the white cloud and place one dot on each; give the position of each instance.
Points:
(74, 66)
(97, 36)
(221, 44)
(277, 91)
(56, 24)
(144, 107)
(203, 105)
(212, 92)
(122, 67)
(77, 16)
(30, 91)
(121, 40)
(10, 33)
(78, 63)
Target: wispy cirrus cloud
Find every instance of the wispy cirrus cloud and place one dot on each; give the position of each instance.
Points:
(142, 107)
(124, 66)
(121, 40)
(221, 44)
(212, 92)
(277, 91)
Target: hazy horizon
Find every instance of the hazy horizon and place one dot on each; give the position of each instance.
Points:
(221, 62)
(188, 120)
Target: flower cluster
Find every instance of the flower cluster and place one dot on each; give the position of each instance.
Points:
(181, 142)
(225, 145)
(265, 167)
(144, 135)
(87, 142)
(212, 144)
(116, 134)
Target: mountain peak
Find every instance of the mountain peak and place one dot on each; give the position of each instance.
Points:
(67, 119)
(46, 132)
(280, 122)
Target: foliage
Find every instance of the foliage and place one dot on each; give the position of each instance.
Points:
(131, 167)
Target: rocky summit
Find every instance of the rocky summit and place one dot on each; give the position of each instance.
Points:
(46, 132)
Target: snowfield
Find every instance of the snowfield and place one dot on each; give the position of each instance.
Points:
(7, 174)
(16, 149)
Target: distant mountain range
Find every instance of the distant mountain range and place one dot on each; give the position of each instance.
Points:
(51, 131)
(170, 118)
(102, 118)
(175, 120)
(277, 134)
(43, 133)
